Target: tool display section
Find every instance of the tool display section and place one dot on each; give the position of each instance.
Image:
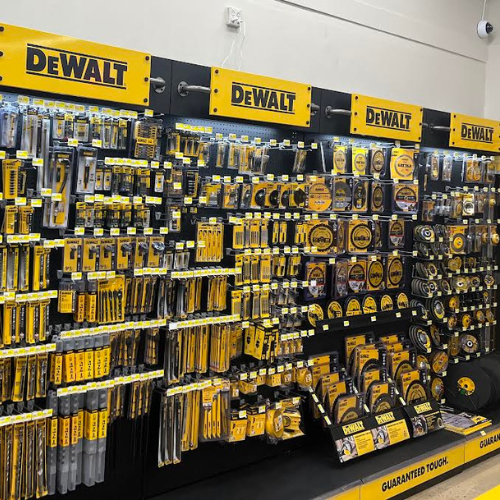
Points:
(454, 266)
(129, 237)
(66, 290)
(356, 237)
(200, 265)
(187, 282)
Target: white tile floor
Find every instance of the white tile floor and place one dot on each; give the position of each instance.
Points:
(467, 485)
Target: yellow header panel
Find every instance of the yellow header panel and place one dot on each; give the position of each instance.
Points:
(383, 118)
(260, 98)
(474, 133)
(34, 60)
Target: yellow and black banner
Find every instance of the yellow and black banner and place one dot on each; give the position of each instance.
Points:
(260, 98)
(34, 60)
(383, 118)
(487, 442)
(474, 133)
(406, 478)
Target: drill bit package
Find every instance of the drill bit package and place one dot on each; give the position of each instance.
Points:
(213, 237)
(62, 126)
(81, 128)
(40, 461)
(52, 440)
(74, 401)
(29, 132)
(299, 163)
(222, 149)
(215, 411)
(220, 348)
(11, 172)
(64, 447)
(172, 421)
(102, 432)
(259, 160)
(85, 170)
(17, 464)
(146, 136)
(94, 440)
(43, 147)
(110, 303)
(9, 116)
(59, 180)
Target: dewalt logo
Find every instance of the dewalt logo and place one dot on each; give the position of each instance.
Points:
(352, 428)
(263, 98)
(75, 66)
(259, 98)
(62, 65)
(384, 118)
(476, 133)
(388, 118)
(423, 408)
(385, 418)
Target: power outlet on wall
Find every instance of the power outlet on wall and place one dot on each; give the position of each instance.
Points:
(234, 17)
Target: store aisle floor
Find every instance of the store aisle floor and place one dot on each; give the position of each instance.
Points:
(467, 485)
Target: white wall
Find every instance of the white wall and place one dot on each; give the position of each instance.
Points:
(492, 92)
(419, 51)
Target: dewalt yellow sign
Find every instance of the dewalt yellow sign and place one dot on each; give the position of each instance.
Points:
(252, 97)
(383, 118)
(34, 60)
(474, 133)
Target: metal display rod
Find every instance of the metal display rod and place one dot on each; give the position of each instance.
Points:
(184, 88)
(329, 112)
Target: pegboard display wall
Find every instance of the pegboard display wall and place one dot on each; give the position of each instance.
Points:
(185, 296)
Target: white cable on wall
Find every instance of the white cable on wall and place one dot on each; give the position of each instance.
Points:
(243, 31)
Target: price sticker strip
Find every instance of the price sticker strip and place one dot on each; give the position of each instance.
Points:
(106, 384)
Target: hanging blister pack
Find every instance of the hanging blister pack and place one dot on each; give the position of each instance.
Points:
(81, 128)
(59, 181)
(299, 163)
(9, 116)
(62, 126)
(43, 149)
(29, 131)
(147, 134)
(86, 170)
(11, 173)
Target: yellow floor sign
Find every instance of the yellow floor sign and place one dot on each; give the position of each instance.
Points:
(493, 494)
(402, 480)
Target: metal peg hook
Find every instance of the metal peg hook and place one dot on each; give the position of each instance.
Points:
(158, 83)
(183, 88)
